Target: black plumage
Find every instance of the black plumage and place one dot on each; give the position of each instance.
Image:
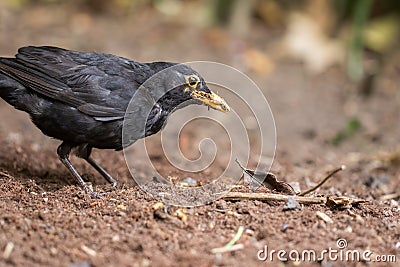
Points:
(81, 98)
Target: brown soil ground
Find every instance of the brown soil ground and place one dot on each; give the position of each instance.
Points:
(46, 220)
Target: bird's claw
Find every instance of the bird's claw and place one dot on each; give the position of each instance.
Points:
(94, 194)
(97, 195)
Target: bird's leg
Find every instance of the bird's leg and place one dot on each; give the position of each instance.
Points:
(63, 154)
(84, 152)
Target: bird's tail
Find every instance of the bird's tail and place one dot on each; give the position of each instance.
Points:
(11, 90)
(7, 83)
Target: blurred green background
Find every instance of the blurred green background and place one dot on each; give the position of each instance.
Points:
(318, 33)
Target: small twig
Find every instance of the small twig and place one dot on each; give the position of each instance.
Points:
(231, 244)
(390, 196)
(341, 168)
(227, 249)
(89, 251)
(7, 250)
(272, 197)
(236, 237)
(244, 169)
(240, 165)
(4, 174)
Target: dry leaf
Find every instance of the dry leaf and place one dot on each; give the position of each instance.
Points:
(158, 205)
(181, 215)
(269, 180)
(121, 207)
(324, 217)
(343, 202)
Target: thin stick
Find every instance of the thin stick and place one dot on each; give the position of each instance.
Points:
(240, 165)
(231, 244)
(390, 196)
(4, 174)
(341, 168)
(236, 237)
(7, 250)
(227, 249)
(272, 197)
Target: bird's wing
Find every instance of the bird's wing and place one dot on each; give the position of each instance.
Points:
(99, 85)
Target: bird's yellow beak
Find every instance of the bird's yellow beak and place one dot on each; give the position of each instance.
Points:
(212, 100)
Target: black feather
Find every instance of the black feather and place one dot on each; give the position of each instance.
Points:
(81, 98)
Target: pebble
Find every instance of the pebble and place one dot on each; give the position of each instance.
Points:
(190, 181)
(324, 217)
(291, 204)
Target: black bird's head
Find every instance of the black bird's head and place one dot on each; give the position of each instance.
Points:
(181, 86)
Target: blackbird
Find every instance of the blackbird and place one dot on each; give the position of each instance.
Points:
(81, 98)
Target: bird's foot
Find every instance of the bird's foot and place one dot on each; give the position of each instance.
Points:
(114, 184)
(93, 194)
(97, 195)
(109, 179)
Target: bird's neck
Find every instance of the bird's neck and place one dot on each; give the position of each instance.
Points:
(173, 100)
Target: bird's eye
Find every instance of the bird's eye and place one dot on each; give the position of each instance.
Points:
(192, 81)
